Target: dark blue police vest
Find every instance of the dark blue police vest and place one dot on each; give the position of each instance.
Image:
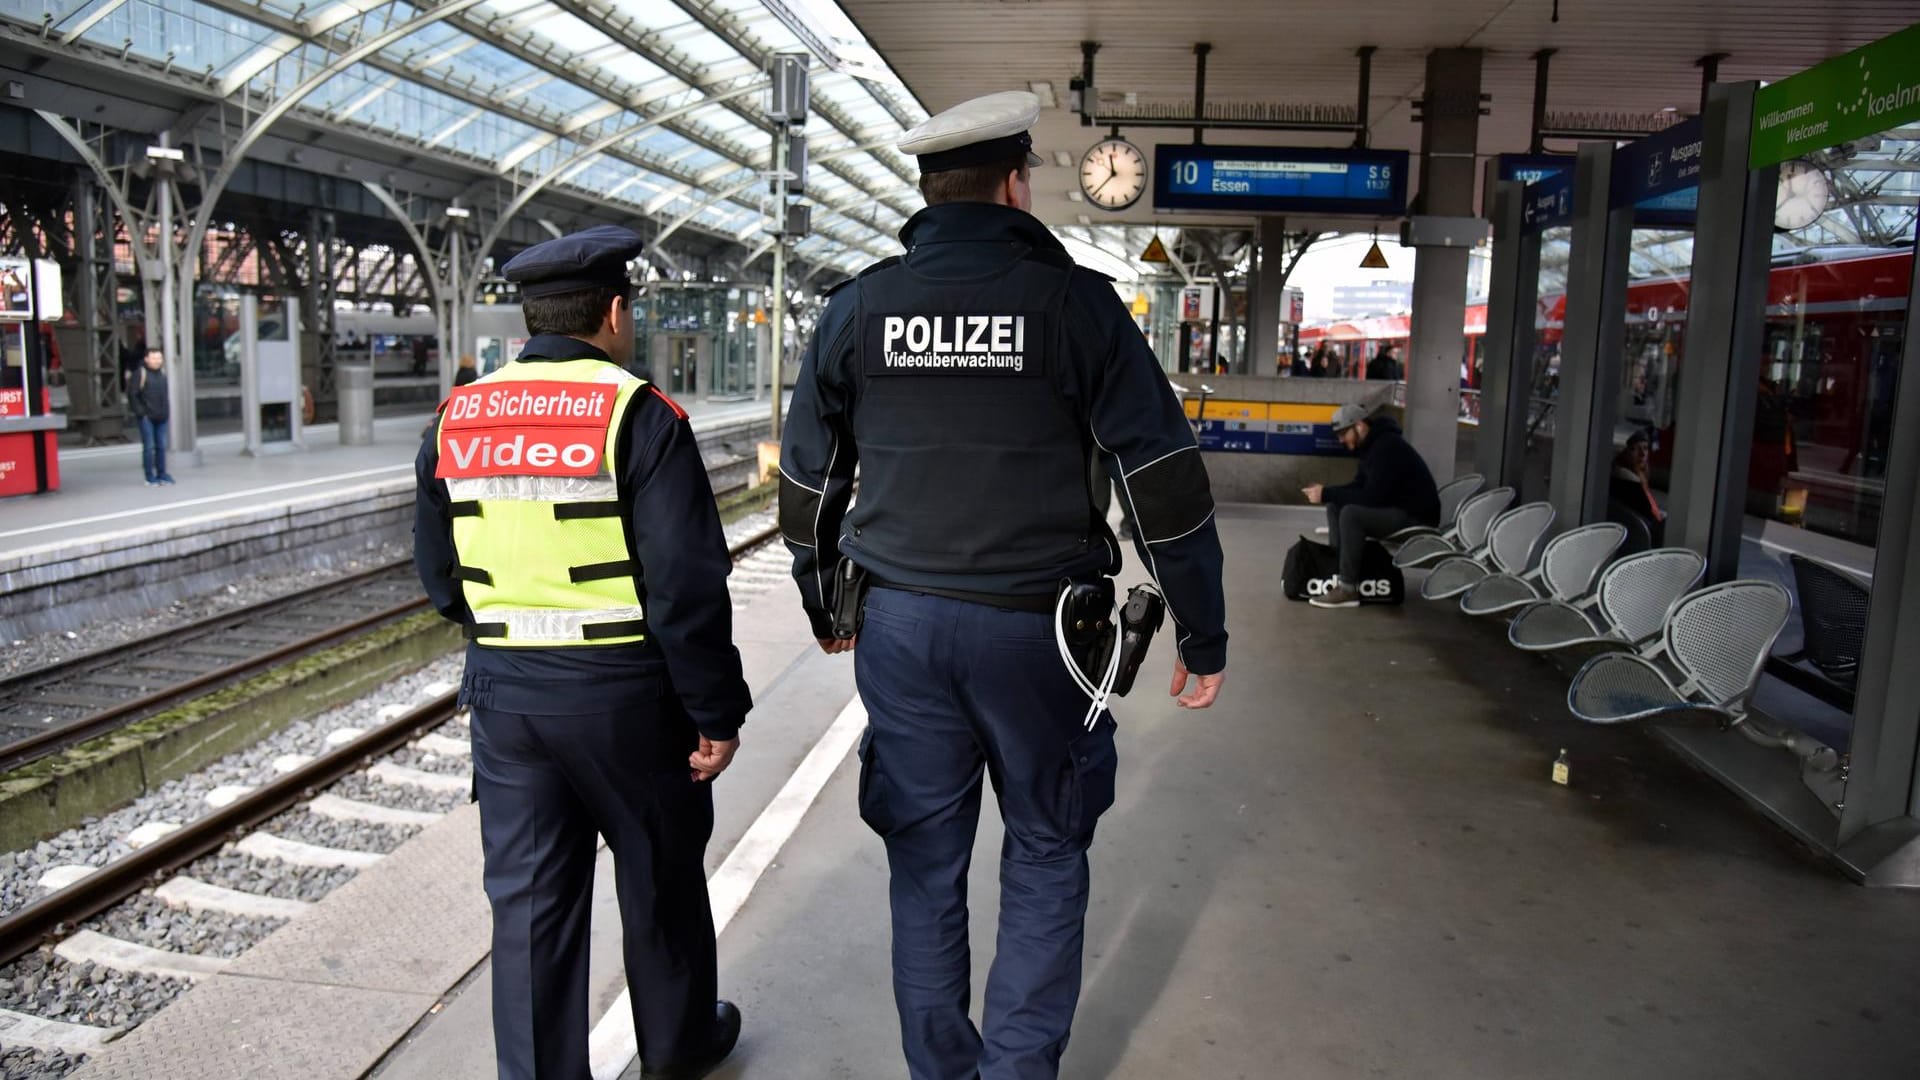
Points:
(971, 459)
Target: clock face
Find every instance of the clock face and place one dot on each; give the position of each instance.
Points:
(1802, 196)
(1113, 174)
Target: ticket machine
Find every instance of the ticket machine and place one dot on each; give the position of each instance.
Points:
(29, 428)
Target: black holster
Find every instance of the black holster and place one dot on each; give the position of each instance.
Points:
(850, 584)
(1086, 622)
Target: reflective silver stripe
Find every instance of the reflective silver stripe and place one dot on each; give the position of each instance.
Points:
(552, 624)
(554, 489)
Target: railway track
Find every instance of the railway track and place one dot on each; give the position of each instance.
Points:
(393, 778)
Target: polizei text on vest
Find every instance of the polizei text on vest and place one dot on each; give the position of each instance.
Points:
(955, 342)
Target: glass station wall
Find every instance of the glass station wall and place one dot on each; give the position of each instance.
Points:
(1543, 385)
(1659, 271)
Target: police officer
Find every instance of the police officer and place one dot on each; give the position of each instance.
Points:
(972, 380)
(565, 519)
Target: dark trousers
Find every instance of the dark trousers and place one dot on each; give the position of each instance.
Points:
(153, 448)
(547, 784)
(954, 691)
(1350, 527)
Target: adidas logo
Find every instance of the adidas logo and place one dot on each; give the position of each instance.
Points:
(1371, 589)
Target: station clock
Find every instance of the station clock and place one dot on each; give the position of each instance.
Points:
(1113, 174)
(1803, 195)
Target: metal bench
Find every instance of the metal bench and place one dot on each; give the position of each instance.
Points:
(1566, 572)
(1632, 601)
(1469, 532)
(1452, 494)
(1709, 658)
(1512, 543)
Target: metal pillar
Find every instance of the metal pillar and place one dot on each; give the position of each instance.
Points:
(1593, 336)
(96, 405)
(176, 329)
(1506, 380)
(1449, 138)
(1726, 329)
(316, 350)
(777, 313)
(1269, 288)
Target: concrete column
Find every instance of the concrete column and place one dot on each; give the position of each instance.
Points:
(1263, 302)
(1449, 138)
(1507, 363)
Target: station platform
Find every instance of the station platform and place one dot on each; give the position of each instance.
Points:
(1354, 865)
(106, 543)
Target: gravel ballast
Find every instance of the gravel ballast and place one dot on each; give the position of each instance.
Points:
(267, 877)
(146, 920)
(98, 841)
(363, 788)
(310, 828)
(46, 986)
(27, 1064)
(39, 650)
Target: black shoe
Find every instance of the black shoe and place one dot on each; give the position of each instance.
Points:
(726, 1032)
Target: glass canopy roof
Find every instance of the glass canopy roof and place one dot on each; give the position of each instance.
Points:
(652, 105)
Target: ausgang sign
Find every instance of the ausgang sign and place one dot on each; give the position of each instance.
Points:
(1868, 90)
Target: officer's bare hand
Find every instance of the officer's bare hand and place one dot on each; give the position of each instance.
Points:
(1205, 687)
(1314, 492)
(830, 646)
(713, 757)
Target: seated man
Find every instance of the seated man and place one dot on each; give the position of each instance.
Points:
(1392, 490)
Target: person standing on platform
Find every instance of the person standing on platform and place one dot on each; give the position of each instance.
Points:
(565, 519)
(1392, 490)
(147, 398)
(972, 381)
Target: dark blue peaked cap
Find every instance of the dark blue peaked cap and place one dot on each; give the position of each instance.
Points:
(589, 259)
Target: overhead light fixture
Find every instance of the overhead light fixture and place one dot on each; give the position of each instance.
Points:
(1085, 220)
(166, 153)
(1670, 109)
(1063, 159)
(1044, 91)
(1075, 196)
(458, 212)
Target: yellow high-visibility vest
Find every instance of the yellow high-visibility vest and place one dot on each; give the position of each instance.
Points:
(538, 532)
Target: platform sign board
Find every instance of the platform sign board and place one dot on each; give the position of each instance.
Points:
(1533, 168)
(1659, 176)
(1856, 94)
(1260, 427)
(1547, 204)
(1280, 180)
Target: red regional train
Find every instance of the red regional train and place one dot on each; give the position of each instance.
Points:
(1836, 320)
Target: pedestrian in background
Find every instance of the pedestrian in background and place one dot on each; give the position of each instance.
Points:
(148, 398)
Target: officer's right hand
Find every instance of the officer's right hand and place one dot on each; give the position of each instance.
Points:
(831, 646)
(712, 758)
(1205, 687)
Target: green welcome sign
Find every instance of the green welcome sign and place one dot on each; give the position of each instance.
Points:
(1868, 90)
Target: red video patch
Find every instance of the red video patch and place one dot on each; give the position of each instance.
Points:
(525, 429)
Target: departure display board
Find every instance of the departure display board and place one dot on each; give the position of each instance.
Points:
(1279, 179)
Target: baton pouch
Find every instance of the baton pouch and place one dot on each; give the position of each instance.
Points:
(1139, 618)
(850, 584)
(1086, 622)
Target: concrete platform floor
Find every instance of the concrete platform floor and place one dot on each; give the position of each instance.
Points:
(1356, 865)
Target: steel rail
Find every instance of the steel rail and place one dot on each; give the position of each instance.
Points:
(59, 912)
(40, 744)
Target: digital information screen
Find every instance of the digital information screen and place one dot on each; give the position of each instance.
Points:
(1278, 179)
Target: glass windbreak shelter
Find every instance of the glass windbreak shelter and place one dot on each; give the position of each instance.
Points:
(702, 339)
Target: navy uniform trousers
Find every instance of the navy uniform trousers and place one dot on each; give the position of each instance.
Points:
(547, 785)
(953, 688)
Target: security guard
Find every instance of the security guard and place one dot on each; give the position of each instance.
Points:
(971, 380)
(565, 519)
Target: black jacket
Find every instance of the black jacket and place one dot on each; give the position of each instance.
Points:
(1104, 378)
(673, 528)
(148, 395)
(1391, 474)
